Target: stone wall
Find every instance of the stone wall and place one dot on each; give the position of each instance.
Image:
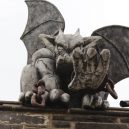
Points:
(15, 116)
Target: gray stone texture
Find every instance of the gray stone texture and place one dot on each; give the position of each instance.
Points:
(29, 78)
(93, 125)
(19, 117)
(71, 62)
(43, 17)
(116, 39)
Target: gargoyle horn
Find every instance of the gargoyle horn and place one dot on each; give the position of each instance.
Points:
(48, 41)
(60, 32)
(48, 37)
(77, 32)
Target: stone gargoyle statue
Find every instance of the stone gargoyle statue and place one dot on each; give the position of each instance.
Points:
(75, 71)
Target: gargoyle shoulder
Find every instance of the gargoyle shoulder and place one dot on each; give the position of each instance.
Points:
(42, 53)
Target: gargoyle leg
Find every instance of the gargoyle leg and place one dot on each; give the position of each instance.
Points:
(87, 101)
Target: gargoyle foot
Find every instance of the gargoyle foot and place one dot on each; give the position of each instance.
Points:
(59, 95)
(93, 101)
(25, 98)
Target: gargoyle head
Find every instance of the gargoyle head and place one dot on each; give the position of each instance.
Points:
(62, 45)
(65, 44)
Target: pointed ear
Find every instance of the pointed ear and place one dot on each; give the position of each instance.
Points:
(48, 41)
(59, 36)
(77, 32)
(50, 38)
(60, 32)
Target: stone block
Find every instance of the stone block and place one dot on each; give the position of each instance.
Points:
(33, 127)
(9, 117)
(101, 126)
(61, 124)
(2, 126)
(35, 119)
(89, 118)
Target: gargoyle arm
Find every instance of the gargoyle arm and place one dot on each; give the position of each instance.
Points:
(91, 41)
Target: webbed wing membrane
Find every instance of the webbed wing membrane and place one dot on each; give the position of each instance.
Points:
(116, 39)
(43, 17)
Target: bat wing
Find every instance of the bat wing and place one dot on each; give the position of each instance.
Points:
(43, 17)
(116, 39)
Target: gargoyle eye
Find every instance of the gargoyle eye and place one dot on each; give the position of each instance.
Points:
(60, 50)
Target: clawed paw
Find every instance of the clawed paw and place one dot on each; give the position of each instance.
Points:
(90, 68)
(94, 101)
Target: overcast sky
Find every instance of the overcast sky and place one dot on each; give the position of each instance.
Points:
(88, 15)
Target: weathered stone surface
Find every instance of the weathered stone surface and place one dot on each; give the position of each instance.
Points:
(61, 124)
(18, 117)
(88, 118)
(2, 126)
(124, 120)
(116, 39)
(33, 127)
(24, 118)
(11, 117)
(100, 126)
(36, 119)
(78, 63)
(45, 18)
(29, 77)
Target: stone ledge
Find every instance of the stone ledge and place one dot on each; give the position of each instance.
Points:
(17, 106)
(16, 116)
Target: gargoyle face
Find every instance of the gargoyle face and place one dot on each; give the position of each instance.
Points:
(64, 46)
